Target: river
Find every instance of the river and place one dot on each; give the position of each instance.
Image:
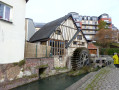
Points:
(57, 82)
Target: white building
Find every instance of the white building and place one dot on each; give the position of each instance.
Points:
(12, 30)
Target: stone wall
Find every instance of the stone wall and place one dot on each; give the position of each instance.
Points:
(10, 73)
(35, 62)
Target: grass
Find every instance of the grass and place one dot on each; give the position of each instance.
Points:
(60, 68)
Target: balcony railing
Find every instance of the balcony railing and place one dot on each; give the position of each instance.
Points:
(89, 23)
(89, 28)
(89, 32)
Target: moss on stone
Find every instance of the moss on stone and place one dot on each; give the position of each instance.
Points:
(96, 79)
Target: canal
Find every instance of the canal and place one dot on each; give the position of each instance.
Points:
(57, 82)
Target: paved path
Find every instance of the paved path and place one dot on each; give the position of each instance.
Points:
(106, 79)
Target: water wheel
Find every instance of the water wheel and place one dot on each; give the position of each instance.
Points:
(80, 58)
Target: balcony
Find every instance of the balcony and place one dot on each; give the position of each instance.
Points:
(90, 24)
(107, 21)
(89, 33)
(89, 28)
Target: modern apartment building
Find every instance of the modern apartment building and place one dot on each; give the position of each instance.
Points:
(105, 17)
(89, 24)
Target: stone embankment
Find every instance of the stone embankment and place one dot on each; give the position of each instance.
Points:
(17, 74)
(104, 79)
(25, 71)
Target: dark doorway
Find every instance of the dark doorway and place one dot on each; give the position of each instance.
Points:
(41, 70)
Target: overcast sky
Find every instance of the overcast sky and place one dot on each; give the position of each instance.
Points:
(48, 10)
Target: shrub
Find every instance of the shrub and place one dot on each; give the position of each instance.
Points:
(108, 51)
(21, 63)
(15, 64)
(86, 68)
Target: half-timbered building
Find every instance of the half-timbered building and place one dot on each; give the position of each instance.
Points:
(63, 36)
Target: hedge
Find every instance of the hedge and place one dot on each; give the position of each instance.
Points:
(108, 51)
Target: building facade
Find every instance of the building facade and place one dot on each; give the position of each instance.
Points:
(89, 24)
(63, 36)
(12, 30)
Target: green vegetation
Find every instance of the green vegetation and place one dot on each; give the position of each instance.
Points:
(42, 66)
(115, 44)
(21, 63)
(31, 76)
(102, 25)
(108, 51)
(43, 75)
(15, 63)
(104, 35)
(60, 68)
(96, 79)
(83, 70)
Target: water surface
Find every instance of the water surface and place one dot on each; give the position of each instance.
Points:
(58, 82)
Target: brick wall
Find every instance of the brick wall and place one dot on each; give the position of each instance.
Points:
(33, 62)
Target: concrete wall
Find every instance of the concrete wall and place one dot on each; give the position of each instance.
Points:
(29, 28)
(12, 35)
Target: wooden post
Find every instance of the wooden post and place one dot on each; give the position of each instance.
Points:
(36, 50)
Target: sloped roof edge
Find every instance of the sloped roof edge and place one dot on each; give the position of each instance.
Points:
(47, 29)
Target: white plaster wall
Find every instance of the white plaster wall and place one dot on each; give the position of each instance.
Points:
(12, 35)
(30, 28)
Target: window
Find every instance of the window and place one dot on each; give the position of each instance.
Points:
(66, 42)
(74, 42)
(88, 18)
(83, 43)
(57, 47)
(104, 16)
(94, 19)
(58, 32)
(85, 18)
(80, 18)
(77, 19)
(78, 24)
(107, 21)
(79, 37)
(5, 12)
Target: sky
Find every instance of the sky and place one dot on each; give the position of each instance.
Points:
(44, 11)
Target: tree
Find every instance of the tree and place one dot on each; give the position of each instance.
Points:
(102, 25)
(104, 37)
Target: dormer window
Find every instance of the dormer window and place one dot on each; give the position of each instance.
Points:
(5, 12)
(58, 32)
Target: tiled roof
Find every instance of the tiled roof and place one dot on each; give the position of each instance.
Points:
(91, 46)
